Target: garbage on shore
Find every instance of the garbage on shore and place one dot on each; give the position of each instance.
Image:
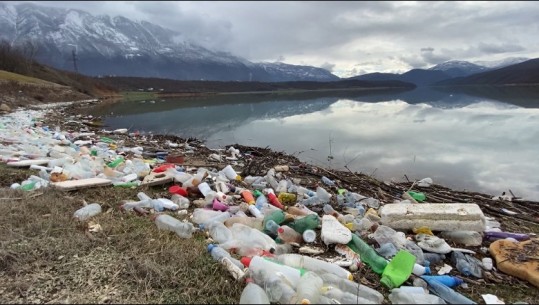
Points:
(294, 232)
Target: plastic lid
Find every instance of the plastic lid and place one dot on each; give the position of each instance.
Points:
(246, 261)
(176, 189)
(280, 230)
(427, 270)
(458, 280)
(210, 247)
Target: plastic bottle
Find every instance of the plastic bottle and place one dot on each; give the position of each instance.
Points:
(169, 223)
(277, 216)
(252, 222)
(276, 286)
(312, 264)
(217, 218)
(308, 288)
(403, 296)
(368, 254)
(261, 201)
(309, 236)
(87, 212)
(270, 177)
(255, 212)
(281, 187)
(219, 232)
(314, 200)
(447, 294)
(459, 260)
(287, 198)
(333, 232)
(385, 234)
(449, 281)
(420, 270)
(327, 181)
(248, 196)
(253, 294)
(487, 263)
(491, 236)
(418, 196)
(288, 235)
(217, 253)
(337, 296)
(271, 227)
(116, 162)
(352, 287)
(311, 221)
(433, 258)
(398, 270)
(257, 264)
(322, 194)
(302, 191)
(202, 215)
(274, 200)
(300, 210)
(181, 201)
(387, 250)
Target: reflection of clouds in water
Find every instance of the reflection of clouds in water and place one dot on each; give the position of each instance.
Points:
(485, 146)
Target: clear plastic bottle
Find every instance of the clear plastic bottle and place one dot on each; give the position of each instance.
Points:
(402, 296)
(169, 223)
(202, 215)
(182, 202)
(433, 258)
(346, 285)
(447, 294)
(272, 227)
(289, 235)
(219, 232)
(270, 178)
(217, 218)
(87, 212)
(322, 194)
(328, 181)
(466, 238)
(252, 222)
(459, 260)
(258, 264)
(217, 253)
(338, 296)
(309, 288)
(253, 294)
(312, 264)
(314, 200)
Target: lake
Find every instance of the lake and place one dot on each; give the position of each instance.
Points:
(482, 140)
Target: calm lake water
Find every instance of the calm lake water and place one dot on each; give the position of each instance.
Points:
(480, 141)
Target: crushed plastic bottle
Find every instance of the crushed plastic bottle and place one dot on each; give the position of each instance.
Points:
(87, 212)
(169, 223)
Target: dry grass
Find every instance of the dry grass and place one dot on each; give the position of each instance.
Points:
(7, 76)
(46, 256)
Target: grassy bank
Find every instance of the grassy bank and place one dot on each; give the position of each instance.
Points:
(138, 96)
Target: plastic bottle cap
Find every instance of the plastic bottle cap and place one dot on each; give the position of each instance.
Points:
(427, 270)
(210, 247)
(280, 230)
(246, 261)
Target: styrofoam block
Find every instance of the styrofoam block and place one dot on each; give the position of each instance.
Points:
(436, 216)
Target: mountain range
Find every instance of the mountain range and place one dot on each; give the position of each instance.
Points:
(118, 46)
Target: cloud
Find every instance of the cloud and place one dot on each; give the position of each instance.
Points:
(342, 33)
(328, 66)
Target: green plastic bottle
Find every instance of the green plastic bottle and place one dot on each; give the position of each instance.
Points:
(106, 140)
(398, 270)
(116, 162)
(257, 193)
(310, 221)
(29, 186)
(367, 254)
(418, 196)
(277, 216)
(127, 184)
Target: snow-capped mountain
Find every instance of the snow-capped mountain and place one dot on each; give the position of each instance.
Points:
(458, 68)
(120, 46)
(497, 64)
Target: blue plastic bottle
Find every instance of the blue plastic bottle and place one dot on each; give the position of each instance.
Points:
(449, 281)
(449, 295)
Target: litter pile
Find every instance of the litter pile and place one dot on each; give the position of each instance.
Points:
(296, 233)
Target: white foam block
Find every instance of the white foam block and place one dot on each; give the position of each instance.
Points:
(436, 216)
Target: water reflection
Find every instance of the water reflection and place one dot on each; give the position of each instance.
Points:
(462, 141)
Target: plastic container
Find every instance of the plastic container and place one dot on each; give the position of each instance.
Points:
(169, 223)
(309, 288)
(255, 212)
(420, 270)
(289, 235)
(385, 234)
(312, 264)
(449, 281)
(447, 294)
(310, 221)
(368, 254)
(87, 212)
(252, 222)
(253, 294)
(287, 198)
(337, 296)
(271, 227)
(398, 270)
(387, 250)
(217, 253)
(433, 258)
(181, 201)
(309, 236)
(281, 186)
(202, 215)
(314, 200)
(277, 216)
(322, 194)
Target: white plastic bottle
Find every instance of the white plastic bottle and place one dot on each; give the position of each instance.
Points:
(87, 212)
(219, 232)
(312, 264)
(217, 253)
(253, 294)
(169, 223)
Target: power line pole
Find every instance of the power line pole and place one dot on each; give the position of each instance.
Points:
(74, 54)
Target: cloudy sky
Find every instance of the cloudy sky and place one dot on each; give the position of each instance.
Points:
(347, 38)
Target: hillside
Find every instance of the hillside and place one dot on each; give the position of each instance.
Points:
(419, 77)
(23, 81)
(177, 86)
(524, 73)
